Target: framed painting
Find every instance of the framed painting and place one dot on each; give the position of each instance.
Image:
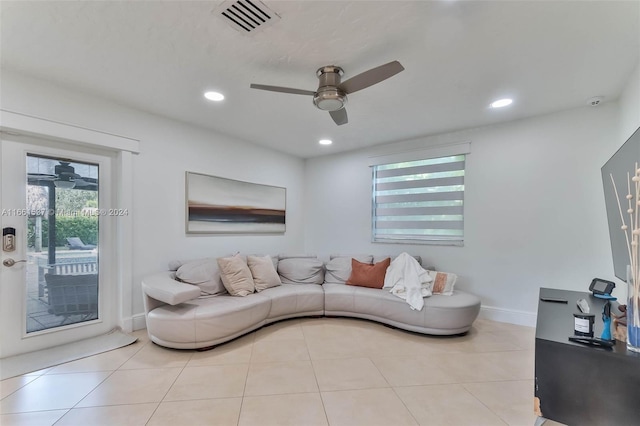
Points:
(216, 205)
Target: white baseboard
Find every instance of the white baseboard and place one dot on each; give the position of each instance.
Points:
(139, 322)
(510, 316)
(133, 323)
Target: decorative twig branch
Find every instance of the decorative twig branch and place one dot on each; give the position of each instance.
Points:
(631, 237)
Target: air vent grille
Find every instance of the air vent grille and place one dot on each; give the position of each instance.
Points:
(247, 16)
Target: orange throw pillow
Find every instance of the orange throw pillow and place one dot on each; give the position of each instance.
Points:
(365, 275)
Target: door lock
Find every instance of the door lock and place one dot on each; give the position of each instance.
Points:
(8, 239)
(10, 262)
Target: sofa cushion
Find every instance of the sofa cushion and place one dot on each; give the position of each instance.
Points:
(365, 275)
(338, 269)
(296, 256)
(294, 300)
(204, 273)
(165, 288)
(301, 270)
(236, 275)
(263, 271)
(440, 313)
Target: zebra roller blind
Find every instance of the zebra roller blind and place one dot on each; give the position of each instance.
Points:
(419, 201)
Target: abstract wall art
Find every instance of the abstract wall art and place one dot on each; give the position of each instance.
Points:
(216, 205)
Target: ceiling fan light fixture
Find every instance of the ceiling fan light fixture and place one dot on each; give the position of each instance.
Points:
(64, 184)
(500, 103)
(214, 96)
(330, 99)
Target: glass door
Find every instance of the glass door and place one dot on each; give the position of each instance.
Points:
(55, 286)
(62, 242)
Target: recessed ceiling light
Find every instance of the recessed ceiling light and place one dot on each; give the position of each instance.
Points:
(214, 96)
(325, 141)
(501, 103)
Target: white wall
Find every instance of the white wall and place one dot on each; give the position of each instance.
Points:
(534, 204)
(630, 106)
(167, 149)
(534, 208)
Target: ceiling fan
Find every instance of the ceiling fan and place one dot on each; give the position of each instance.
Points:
(332, 94)
(65, 177)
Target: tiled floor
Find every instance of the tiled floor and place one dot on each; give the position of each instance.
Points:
(312, 371)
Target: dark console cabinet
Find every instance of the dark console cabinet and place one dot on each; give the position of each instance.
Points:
(577, 384)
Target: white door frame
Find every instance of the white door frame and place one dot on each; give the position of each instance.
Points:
(19, 126)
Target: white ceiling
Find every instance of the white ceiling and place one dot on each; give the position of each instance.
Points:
(458, 55)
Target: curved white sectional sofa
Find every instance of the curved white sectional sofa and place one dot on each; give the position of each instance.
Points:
(178, 317)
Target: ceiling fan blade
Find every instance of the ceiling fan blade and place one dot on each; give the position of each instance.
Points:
(282, 89)
(339, 116)
(371, 77)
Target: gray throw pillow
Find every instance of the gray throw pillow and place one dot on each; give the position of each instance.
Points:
(338, 269)
(204, 273)
(301, 270)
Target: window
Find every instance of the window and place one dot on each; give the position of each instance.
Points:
(419, 201)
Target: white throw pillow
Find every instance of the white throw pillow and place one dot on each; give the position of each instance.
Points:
(204, 273)
(443, 282)
(236, 275)
(263, 272)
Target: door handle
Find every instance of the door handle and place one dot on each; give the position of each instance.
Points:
(10, 262)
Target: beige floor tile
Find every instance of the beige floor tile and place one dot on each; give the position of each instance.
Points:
(397, 343)
(283, 410)
(121, 415)
(52, 392)
(218, 412)
(37, 418)
(377, 330)
(411, 371)
(142, 335)
(512, 401)
(333, 328)
(334, 347)
(517, 365)
(357, 326)
(235, 352)
(106, 361)
(285, 330)
(212, 381)
(350, 373)
(495, 326)
(279, 350)
(367, 407)
(38, 372)
(482, 324)
(484, 367)
(280, 378)
(439, 405)
(524, 339)
(277, 359)
(476, 341)
(9, 386)
(132, 387)
(154, 356)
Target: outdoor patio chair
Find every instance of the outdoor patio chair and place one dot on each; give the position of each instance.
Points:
(73, 295)
(76, 243)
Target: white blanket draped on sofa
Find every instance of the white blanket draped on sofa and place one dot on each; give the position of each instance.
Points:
(408, 280)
